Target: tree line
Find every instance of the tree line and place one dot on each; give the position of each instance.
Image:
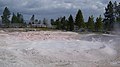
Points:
(111, 17)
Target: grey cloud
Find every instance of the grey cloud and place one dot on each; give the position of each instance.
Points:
(55, 8)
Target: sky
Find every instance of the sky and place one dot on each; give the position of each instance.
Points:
(54, 8)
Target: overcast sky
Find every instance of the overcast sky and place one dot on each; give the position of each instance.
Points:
(54, 8)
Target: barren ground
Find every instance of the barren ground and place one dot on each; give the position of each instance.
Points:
(58, 49)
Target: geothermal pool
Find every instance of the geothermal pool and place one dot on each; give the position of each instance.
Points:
(58, 49)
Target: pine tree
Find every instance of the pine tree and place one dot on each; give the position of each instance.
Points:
(45, 22)
(14, 19)
(39, 22)
(99, 24)
(58, 24)
(118, 19)
(36, 21)
(79, 21)
(118, 13)
(32, 19)
(52, 22)
(17, 20)
(20, 18)
(5, 17)
(109, 17)
(90, 23)
(63, 23)
(117, 16)
(71, 23)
